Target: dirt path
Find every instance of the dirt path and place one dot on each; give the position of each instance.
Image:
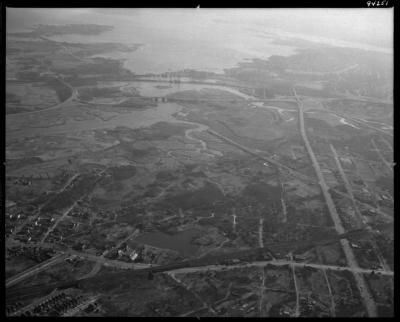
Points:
(260, 232)
(348, 187)
(205, 304)
(389, 145)
(328, 284)
(296, 287)
(261, 295)
(378, 151)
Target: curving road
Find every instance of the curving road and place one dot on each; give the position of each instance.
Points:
(74, 94)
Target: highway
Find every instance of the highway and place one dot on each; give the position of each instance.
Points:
(351, 260)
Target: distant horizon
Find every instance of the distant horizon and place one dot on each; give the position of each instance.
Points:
(351, 27)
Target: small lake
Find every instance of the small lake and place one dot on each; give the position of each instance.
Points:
(179, 242)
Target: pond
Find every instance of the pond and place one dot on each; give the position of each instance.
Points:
(179, 242)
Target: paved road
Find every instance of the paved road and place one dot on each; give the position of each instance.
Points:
(67, 211)
(110, 262)
(278, 262)
(101, 260)
(69, 181)
(34, 270)
(91, 257)
(32, 218)
(351, 259)
(64, 214)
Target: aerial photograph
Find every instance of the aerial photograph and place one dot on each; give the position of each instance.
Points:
(199, 162)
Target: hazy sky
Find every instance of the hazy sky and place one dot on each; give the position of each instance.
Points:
(370, 26)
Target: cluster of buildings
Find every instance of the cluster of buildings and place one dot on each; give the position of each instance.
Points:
(23, 181)
(11, 308)
(13, 219)
(309, 307)
(246, 307)
(34, 230)
(124, 253)
(63, 229)
(57, 303)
